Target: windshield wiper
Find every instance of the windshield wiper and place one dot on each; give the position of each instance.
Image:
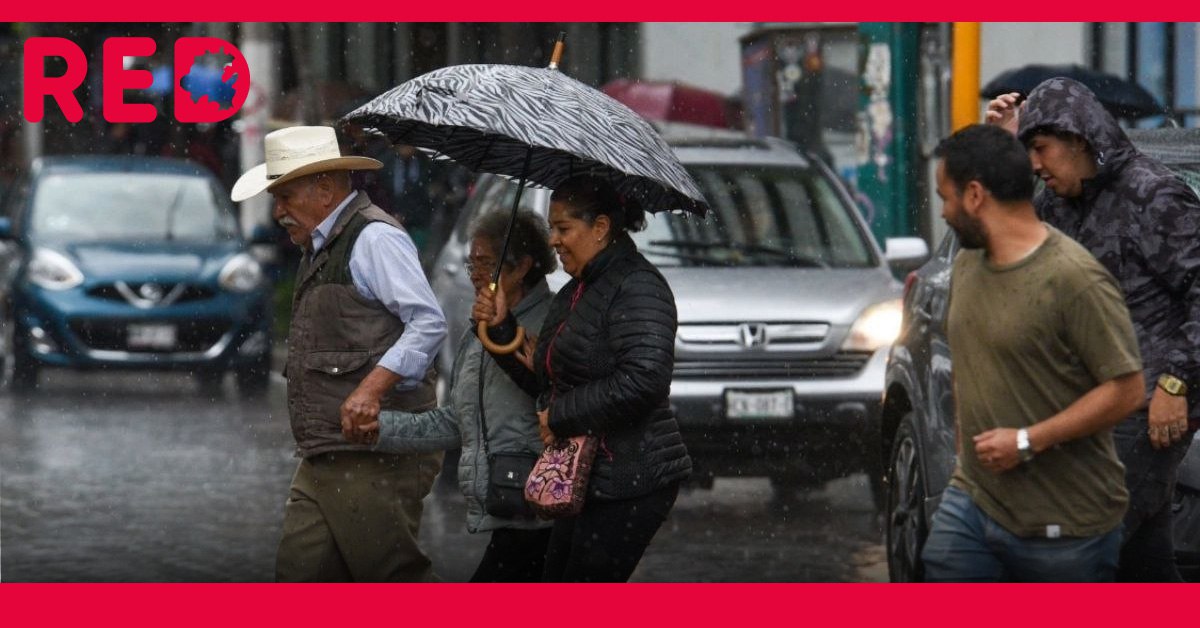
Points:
(789, 256)
(171, 213)
(686, 256)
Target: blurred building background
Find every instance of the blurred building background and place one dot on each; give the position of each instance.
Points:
(870, 99)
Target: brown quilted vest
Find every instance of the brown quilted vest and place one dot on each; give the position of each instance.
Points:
(336, 339)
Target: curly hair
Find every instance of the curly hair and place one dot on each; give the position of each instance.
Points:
(530, 236)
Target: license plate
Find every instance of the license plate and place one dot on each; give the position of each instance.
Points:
(772, 404)
(150, 336)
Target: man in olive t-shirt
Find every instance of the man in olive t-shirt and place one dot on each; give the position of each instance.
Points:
(1045, 363)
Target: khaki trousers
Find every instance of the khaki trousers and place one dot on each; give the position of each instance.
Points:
(352, 516)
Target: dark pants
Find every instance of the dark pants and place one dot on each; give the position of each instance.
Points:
(606, 541)
(966, 545)
(514, 556)
(1148, 552)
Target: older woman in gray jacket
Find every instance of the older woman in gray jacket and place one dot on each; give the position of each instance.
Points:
(517, 550)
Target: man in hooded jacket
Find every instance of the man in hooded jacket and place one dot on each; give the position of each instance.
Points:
(1143, 224)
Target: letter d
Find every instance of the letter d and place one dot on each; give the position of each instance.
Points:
(187, 50)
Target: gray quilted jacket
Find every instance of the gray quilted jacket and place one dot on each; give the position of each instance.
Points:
(511, 419)
(1140, 220)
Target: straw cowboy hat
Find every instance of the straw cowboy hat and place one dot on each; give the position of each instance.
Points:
(295, 152)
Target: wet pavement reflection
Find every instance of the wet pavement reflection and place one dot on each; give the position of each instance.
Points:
(149, 477)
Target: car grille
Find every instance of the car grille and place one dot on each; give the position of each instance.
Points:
(191, 336)
(708, 336)
(843, 364)
(109, 292)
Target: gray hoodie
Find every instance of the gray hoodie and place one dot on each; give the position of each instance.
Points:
(511, 419)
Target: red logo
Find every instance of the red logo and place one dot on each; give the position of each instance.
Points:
(210, 81)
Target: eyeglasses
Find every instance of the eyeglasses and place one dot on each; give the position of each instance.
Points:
(483, 266)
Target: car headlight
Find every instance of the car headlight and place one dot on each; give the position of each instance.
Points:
(878, 326)
(240, 274)
(53, 270)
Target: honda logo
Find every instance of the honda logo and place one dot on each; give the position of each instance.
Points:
(752, 335)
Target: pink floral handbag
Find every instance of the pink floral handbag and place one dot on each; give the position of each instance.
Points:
(558, 483)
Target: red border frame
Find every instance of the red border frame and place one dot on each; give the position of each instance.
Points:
(587, 605)
(610, 11)
(630, 605)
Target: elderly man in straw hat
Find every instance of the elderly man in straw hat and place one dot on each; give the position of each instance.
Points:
(365, 328)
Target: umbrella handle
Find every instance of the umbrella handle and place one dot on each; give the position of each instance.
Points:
(556, 56)
(481, 331)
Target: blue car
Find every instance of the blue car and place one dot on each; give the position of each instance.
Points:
(124, 262)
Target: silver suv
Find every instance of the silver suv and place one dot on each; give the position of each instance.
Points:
(786, 309)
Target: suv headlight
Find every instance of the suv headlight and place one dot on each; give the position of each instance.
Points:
(240, 274)
(53, 271)
(878, 326)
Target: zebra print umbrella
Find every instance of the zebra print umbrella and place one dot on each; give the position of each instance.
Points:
(532, 123)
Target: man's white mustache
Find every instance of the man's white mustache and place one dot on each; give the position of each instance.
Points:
(287, 222)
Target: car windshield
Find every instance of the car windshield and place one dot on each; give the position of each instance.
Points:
(761, 216)
(131, 207)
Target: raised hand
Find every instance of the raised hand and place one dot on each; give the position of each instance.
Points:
(490, 307)
(1004, 112)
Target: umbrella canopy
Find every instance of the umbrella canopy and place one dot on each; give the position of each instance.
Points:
(532, 123)
(1122, 98)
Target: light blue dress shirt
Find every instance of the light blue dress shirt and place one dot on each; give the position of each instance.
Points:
(385, 268)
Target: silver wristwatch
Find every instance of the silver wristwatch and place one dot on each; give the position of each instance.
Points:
(1024, 449)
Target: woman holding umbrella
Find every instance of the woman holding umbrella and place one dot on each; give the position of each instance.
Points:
(604, 364)
(602, 367)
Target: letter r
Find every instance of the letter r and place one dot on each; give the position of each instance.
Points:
(62, 88)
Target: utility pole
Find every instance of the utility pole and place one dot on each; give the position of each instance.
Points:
(964, 82)
(31, 132)
(262, 58)
(887, 172)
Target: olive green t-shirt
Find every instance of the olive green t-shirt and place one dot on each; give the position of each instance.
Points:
(1028, 339)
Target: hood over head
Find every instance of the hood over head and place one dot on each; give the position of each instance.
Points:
(1062, 104)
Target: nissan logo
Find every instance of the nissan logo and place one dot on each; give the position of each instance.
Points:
(151, 292)
(752, 335)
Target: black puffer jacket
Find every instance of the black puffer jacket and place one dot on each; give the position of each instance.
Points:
(1140, 220)
(603, 366)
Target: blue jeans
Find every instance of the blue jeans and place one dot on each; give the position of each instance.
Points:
(1148, 554)
(966, 545)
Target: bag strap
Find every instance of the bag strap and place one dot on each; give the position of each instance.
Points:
(483, 433)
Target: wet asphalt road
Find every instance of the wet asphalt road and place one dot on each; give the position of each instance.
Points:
(146, 478)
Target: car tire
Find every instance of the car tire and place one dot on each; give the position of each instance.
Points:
(209, 382)
(790, 484)
(254, 379)
(700, 479)
(25, 369)
(906, 528)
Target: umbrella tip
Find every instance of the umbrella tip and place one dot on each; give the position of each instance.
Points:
(556, 56)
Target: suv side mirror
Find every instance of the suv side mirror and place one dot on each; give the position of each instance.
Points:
(6, 229)
(905, 254)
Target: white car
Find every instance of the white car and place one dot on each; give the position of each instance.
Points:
(787, 308)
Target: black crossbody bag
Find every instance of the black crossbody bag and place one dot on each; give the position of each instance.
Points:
(507, 472)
